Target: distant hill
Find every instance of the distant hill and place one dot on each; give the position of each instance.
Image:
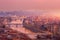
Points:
(21, 13)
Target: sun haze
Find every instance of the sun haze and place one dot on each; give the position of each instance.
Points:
(29, 4)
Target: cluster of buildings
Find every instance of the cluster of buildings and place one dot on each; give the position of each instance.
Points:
(35, 24)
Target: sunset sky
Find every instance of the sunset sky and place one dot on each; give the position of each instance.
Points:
(49, 7)
(29, 5)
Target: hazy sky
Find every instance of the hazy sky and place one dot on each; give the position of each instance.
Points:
(29, 5)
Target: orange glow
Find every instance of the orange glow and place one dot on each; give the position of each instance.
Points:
(29, 4)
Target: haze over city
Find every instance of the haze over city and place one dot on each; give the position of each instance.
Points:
(47, 6)
(29, 19)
